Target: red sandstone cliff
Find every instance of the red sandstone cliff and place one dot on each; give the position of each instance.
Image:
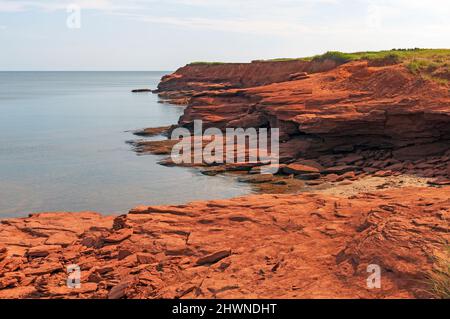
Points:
(353, 105)
(203, 76)
(353, 119)
(374, 116)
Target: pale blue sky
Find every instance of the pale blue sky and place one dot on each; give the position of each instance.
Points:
(166, 34)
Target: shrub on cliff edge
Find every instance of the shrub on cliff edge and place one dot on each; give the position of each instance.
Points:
(337, 56)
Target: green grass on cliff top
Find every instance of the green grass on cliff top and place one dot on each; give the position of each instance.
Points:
(403, 54)
(430, 63)
(206, 63)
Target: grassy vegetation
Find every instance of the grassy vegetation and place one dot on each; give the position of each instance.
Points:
(337, 56)
(439, 279)
(429, 63)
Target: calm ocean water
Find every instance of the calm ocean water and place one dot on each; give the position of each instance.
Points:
(62, 145)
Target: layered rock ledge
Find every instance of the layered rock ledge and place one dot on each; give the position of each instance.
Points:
(350, 108)
(353, 125)
(263, 246)
(339, 122)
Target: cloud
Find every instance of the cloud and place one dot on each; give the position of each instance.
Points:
(250, 26)
(53, 5)
(266, 17)
(288, 18)
(263, 17)
(109, 5)
(8, 6)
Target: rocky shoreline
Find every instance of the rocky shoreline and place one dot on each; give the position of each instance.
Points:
(339, 124)
(364, 179)
(263, 246)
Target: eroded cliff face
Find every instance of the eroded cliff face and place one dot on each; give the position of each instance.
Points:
(365, 112)
(194, 78)
(198, 77)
